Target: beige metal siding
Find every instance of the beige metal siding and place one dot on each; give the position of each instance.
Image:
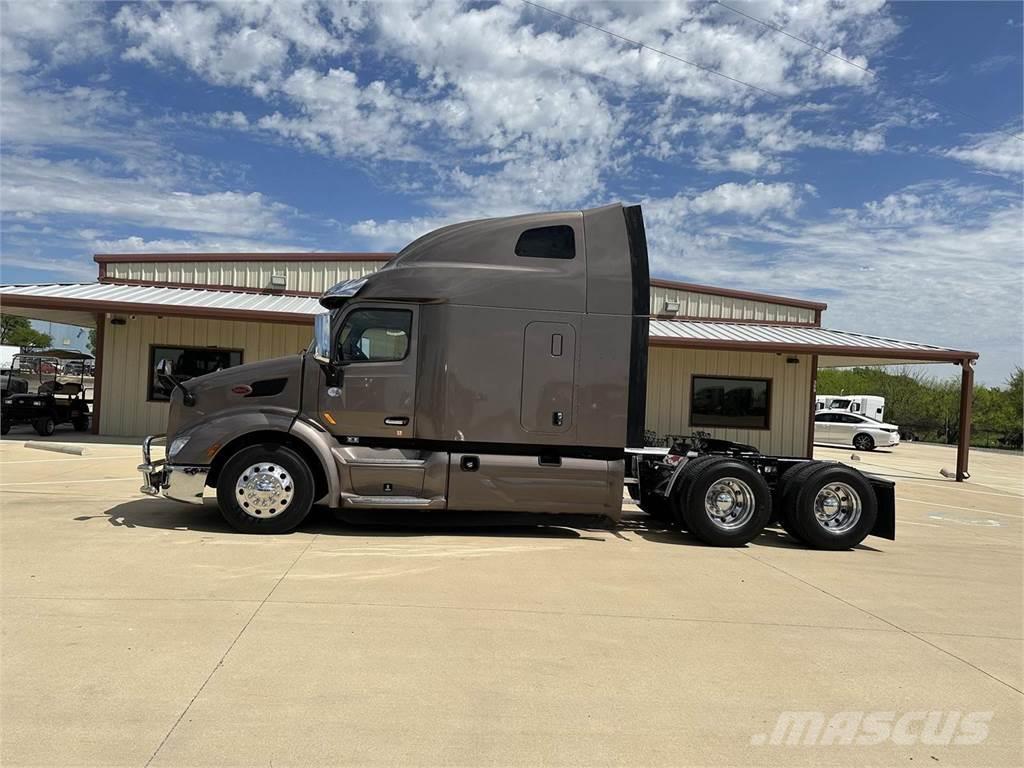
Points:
(668, 395)
(716, 307)
(124, 409)
(308, 276)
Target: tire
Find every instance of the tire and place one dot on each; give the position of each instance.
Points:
(682, 487)
(81, 424)
(727, 482)
(285, 478)
(634, 491)
(45, 426)
(5, 427)
(864, 442)
(785, 496)
(845, 501)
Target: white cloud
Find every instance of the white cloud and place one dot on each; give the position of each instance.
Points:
(890, 267)
(49, 32)
(60, 269)
(528, 96)
(993, 152)
(37, 188)
(197, 244)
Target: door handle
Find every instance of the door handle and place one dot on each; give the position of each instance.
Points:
(396, 421)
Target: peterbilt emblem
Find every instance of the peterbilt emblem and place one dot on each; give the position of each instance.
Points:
(241, 389)
(333, 391)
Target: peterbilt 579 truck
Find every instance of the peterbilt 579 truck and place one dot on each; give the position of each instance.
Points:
(492, 367)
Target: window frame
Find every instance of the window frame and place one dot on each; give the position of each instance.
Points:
(374, 308)
(714, 376)
(150, 379)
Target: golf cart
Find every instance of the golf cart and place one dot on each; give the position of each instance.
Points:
(58, 399)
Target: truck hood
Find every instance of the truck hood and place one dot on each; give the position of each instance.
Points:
(273, 384)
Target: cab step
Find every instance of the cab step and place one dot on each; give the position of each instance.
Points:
(392, 502)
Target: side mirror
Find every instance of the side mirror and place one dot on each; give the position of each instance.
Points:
(165, 368)
(322, 349)
(322, 338)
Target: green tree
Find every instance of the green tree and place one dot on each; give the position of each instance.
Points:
(17, 331)
(91, 345)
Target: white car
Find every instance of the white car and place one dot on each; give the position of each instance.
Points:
(845, 428)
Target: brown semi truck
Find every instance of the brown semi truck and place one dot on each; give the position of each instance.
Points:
(493, 367)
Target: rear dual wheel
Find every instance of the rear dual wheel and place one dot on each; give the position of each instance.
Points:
(827, 506)
(723, 502)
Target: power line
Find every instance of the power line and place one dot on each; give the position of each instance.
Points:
(781, 31)
(660, 52)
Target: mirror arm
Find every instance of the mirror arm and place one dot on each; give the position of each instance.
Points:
(187, 397)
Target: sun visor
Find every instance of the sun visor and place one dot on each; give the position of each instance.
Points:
(337, 295)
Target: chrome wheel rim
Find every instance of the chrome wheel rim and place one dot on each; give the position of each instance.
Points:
(837, 508)
(729, 503)
(264, 490)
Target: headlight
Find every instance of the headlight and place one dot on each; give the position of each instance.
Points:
(175, 446)
(37, 403)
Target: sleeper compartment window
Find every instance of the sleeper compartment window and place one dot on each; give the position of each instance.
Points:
(736, 403)
(188, 363)
(558, 242)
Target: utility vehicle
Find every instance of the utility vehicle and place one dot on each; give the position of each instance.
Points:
(57, 399)
(492, 368)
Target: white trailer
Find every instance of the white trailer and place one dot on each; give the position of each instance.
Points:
(872, 406)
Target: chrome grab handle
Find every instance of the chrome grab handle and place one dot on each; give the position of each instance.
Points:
(396, 421)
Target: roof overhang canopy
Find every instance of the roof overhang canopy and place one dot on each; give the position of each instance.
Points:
(79, 303)
(835, 349)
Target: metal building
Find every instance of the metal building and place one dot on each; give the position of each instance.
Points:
(708, 345)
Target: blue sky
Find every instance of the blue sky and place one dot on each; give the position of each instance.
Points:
(347, 126)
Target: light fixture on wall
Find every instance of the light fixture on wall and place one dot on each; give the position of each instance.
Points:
(671, 306)
(278, 282)
(118, 321)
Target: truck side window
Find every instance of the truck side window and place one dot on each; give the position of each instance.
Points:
(557, 242)
(375, 336)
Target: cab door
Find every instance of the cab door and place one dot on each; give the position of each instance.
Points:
(375, 351)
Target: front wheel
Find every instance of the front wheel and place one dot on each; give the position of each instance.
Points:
(5, 427)
(80, 424)
(45, 426)
(265, 489)
(864, 442)
(727, 503)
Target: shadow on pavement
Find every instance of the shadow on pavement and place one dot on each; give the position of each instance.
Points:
(172, 516)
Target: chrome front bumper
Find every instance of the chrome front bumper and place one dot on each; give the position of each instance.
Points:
(178, 482)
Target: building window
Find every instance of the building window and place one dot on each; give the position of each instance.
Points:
(718, 401)
(375, 336)
(188, 363)
(547, 243)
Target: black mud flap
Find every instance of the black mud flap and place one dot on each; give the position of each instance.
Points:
(885, 493)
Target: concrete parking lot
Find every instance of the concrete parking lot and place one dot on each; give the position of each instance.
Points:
(139, 631)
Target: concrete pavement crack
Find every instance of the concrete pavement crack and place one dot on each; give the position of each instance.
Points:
(220, 662)
(880, 618)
